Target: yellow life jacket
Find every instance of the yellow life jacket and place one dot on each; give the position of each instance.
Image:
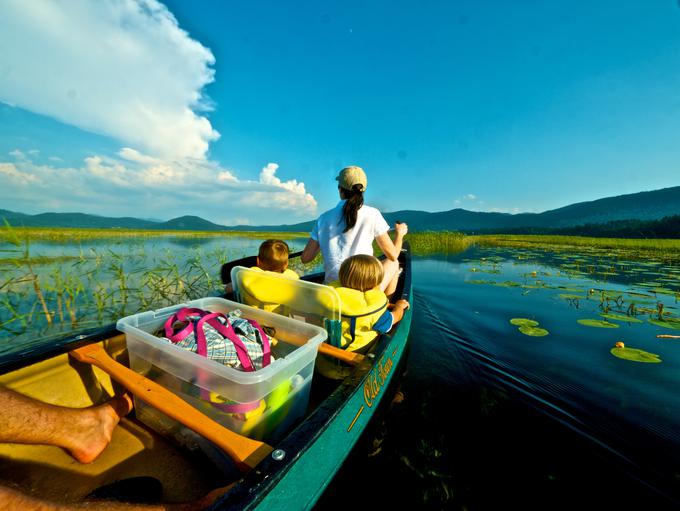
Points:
(360, 311)
(263, 294)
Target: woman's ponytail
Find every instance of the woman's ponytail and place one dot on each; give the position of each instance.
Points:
(355, 199)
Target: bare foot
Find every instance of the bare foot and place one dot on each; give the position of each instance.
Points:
(93, 427)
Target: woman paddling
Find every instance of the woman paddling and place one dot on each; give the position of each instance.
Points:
(350, 228)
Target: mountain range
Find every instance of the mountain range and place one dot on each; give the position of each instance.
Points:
(643, 206)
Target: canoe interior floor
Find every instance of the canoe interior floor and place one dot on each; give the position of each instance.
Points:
(135, 450)
(51, 473)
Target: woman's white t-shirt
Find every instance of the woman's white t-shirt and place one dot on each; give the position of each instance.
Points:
(336, 246)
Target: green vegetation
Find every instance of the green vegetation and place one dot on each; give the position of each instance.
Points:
(529, 327)
(597, 323)
(636, 355)
(523, 322)
(533, 331)
(77, 234)
(537, 241)
(443, 242)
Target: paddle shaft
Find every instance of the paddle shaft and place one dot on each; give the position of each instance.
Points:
(666, 336)
(245, 452)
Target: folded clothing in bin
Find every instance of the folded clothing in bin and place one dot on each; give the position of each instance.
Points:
(230, 340)
(225, 338)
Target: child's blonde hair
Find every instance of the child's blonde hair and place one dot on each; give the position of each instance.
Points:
(362, 272)
(273, 255)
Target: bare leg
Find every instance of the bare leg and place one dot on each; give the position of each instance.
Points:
(84, 432)
(391, 278)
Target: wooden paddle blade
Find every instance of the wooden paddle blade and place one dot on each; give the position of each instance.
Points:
(245, 452)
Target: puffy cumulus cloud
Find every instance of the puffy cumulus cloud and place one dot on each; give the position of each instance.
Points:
(144, 186)
(292, 194)
(120, 68)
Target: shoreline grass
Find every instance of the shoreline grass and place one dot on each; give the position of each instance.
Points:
(647, 244)
(79, 233)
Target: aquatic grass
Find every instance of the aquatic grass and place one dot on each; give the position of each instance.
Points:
(666, 249)
(440, 242)
(80, 234)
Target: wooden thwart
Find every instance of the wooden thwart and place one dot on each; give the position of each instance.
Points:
(245, 452)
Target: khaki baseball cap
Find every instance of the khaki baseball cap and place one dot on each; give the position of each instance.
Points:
(350, 176)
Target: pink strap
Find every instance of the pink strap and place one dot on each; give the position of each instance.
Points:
(266, 348)
(228, 332)
(182, 315)
(185, 314)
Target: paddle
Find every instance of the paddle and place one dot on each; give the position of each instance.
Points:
(245, 452)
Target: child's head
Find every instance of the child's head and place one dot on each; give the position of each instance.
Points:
(362, 272)
(273, 256)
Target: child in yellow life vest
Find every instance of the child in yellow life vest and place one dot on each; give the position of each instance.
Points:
(271, 258)
(366, 311)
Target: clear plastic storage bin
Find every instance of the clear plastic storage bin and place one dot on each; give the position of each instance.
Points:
(278, 394)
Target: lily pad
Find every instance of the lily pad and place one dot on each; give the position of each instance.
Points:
(507, 283)
(533, 331)
(673, 323)
(597, 323)
(524, 322)
(622, 317)
(636, 355)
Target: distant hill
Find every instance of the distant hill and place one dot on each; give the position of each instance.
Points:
(642, 206)
(81, 220)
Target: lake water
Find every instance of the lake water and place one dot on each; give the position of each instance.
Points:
(496, 419)
(492, 418)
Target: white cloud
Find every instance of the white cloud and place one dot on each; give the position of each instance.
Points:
(470, 196)
(10, 172)
(125, 69)
(143, 186)
(120, 68)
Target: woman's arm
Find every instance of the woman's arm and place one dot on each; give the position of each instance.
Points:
(392, 249)
(310, 251)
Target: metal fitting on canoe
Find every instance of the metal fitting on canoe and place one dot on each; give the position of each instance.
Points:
(278, 454)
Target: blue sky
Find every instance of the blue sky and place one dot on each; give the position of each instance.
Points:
(243, 112)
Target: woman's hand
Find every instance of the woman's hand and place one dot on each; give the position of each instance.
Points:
(401, 228)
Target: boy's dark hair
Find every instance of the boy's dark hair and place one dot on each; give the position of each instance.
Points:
(273, 255)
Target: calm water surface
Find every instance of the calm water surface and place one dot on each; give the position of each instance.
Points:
(495, 419)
